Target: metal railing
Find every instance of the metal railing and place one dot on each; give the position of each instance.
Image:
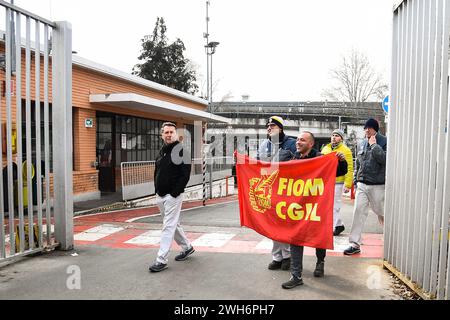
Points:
(138, 177)
(418, 169)
(23, 232)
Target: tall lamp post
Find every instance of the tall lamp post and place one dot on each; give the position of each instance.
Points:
(210, 50)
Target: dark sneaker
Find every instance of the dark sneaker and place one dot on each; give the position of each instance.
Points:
(286, 264)
(157, 267)
(351, 250)
(338, 230)
(274, 265)
(183, 255)
(293, 282)
(320, 269)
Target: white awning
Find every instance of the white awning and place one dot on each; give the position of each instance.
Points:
(142, 103)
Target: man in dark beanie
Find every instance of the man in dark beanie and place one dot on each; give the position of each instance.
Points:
(372, 123)
(278, 147)
(369, 179)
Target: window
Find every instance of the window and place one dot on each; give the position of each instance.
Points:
(137, 139)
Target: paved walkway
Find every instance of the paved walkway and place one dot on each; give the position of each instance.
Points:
(113, 251)
(141, 228)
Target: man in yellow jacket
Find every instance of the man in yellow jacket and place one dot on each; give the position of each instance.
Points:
(343, 183)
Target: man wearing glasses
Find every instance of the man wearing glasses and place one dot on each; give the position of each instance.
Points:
(276, 148)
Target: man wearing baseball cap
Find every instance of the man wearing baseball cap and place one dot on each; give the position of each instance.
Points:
(369, 179)
(278, 147)
(343, 183)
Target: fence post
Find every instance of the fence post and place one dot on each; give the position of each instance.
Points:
(204, 173)
(62, 134)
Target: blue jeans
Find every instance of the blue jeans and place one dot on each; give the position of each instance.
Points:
(297, 259)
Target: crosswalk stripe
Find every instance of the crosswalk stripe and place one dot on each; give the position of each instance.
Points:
(152, 237)
(265, 244)
(340, 244)
(215, 240)
(97, 233)
(224, 242)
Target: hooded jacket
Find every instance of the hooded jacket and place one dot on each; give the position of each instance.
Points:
(347, 179)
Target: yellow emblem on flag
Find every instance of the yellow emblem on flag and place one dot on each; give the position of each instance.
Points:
(260, 191)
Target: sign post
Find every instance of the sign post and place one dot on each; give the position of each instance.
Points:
(385, 105)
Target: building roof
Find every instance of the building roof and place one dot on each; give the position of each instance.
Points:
(142, 103)
(97, 67)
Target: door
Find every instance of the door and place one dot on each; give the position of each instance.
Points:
(105, 153)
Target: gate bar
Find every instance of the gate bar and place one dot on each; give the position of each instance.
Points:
(12, 240)
(19, 130)
(37, 112)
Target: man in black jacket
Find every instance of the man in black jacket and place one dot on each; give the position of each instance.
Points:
(172, 173)
(305, 144)
(369, 180)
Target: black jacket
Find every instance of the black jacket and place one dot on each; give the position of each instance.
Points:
(171, 178)
(370, 165)
(342, 165)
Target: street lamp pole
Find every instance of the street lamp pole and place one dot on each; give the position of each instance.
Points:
(210, 50)
(206, 36)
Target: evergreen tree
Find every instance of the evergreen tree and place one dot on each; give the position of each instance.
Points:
(165, 63)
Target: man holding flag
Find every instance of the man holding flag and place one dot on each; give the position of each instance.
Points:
(278, 147)
(305, 144)
(291, 202)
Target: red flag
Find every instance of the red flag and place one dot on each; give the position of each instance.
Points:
(290, 202)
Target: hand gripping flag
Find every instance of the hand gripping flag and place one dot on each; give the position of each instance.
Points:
(290, 202)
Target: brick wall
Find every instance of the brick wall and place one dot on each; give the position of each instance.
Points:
(86, 82)
(84, 139)
(85, 181)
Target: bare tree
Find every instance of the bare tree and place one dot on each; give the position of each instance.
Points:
(227, 97)
(356, 80)
(203, 88)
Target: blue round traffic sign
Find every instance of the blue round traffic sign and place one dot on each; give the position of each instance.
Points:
(385, 104)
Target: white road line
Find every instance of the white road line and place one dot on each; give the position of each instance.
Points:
(184, 210)
(152, 237)
(265, 244)
(340, 244)
(215, 240)
(97, 233)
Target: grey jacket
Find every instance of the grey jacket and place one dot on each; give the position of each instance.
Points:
(370, 165)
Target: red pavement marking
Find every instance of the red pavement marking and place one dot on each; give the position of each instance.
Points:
(79, 229)
(372, 246)
(238, 244)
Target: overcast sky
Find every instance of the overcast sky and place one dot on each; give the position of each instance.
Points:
(272, 50)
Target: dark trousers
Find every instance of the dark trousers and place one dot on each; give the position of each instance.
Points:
(297, 259)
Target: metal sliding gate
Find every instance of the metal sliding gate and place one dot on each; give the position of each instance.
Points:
(36, 206)
(418, 167)
(137, 176)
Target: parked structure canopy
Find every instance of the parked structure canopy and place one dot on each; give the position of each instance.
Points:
(146, 104)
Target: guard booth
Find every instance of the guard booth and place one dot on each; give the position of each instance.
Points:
(36, 86)
(417, 206)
